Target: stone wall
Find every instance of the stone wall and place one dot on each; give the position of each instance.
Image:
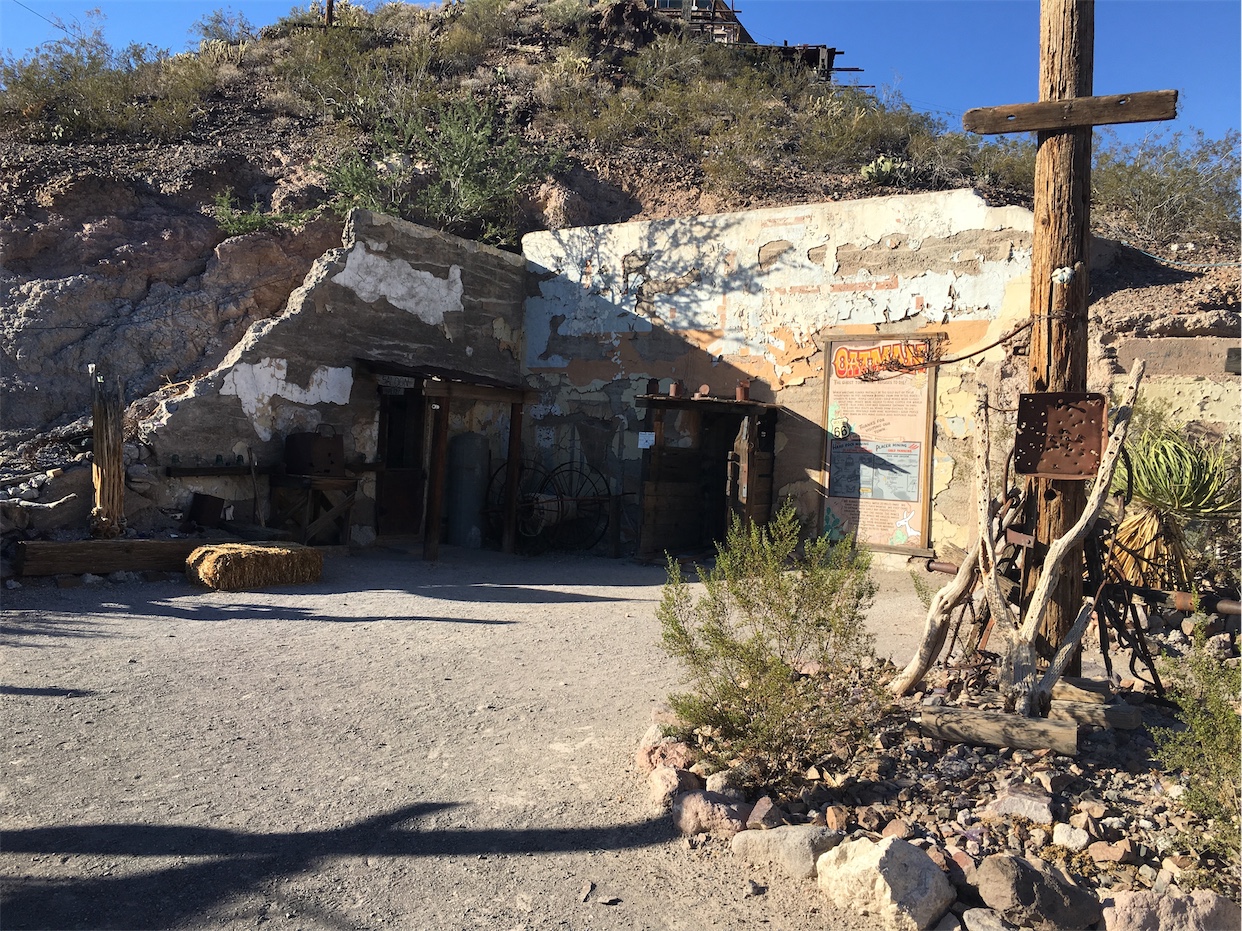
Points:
(395, 294)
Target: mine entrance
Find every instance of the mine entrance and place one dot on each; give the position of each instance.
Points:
(709, 459)
(401, 479)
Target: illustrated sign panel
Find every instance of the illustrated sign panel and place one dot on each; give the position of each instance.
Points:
(878, 455)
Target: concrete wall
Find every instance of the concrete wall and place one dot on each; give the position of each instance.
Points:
(713, 300)
(394, 293)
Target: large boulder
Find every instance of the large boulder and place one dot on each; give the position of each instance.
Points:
(1201, 910)
(1024, 800)
(794, 848)
(892, 880)
(1025, 895)
(657, 750)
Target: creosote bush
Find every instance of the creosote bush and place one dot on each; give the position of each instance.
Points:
(778, 661)
(1206, 751)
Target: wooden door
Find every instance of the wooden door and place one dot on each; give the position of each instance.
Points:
(401, 480)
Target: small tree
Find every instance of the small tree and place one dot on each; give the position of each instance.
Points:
(778, 660)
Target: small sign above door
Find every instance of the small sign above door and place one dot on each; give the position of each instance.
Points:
(398, 381)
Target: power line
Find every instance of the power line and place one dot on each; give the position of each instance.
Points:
(51, 22)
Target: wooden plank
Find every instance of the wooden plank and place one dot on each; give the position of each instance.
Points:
(994, 729)
(1072, 113)
(40, 557)
(1121, 716)
(435, 491)
(464, 392)
(1066, 689)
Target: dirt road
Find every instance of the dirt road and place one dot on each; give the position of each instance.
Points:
(408, 745)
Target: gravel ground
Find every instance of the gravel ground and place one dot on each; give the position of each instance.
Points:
(404, 744)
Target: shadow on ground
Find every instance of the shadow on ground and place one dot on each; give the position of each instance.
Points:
(239, 861)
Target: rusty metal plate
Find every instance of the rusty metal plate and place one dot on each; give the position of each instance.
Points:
(1060, 434)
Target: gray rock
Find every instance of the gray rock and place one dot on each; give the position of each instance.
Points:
(1070, 837)
(1027, 896)
(984, 919)
(728, 782)
(1024, 800)
(892, 880)
(1201, 910)
(794, 848)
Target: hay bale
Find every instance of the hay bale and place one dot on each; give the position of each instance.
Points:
(235, 567)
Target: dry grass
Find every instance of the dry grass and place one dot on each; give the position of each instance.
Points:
(236, 567)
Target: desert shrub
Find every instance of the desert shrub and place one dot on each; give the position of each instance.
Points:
(1006, 162)
(1171, 187)
(1207, 747)
(237, 222)
(775, 652)
(565, 15)
(475, 30)
(848, 128)
(478, 165)
(79, 87)
(224, 26)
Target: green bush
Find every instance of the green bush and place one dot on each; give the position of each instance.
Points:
(1006, 162)
(237, 222)
(224, 26)
(778, 661)
(1171, 187)
(479, 166)
(1207, 749)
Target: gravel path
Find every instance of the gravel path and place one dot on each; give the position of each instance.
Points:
(411, 745)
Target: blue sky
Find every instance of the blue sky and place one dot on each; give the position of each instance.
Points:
(944, 56)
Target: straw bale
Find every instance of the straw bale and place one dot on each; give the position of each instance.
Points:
(234, 567)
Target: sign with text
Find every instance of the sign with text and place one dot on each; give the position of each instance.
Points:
(878, 449)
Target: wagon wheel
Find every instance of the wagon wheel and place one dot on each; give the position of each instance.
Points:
(580, 497)
(531, 476)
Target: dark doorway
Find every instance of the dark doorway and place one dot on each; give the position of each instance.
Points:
(401, 479)
(691, 492)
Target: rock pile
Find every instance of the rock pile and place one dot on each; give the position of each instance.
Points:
(917, 833)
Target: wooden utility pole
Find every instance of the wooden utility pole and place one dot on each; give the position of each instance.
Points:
(1061, 239)
(107, 464)
(1060, 287)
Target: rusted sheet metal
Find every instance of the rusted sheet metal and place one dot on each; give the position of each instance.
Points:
(1060, 434)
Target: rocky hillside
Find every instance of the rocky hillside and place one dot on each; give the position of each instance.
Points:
(152, 208)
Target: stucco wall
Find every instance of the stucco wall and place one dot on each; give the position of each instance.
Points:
(713, 300)
(394, 293)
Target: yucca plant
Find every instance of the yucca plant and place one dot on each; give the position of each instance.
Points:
(1175, 480)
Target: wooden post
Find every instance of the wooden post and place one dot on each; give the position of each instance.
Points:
(108, 464)
(329, 13)
(1064, 117)
(435, 491)
(1061, 239)
(513, 477)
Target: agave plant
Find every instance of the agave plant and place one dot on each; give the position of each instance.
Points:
(1174, 480)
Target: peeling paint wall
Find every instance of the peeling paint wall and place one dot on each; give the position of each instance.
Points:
(396, 293)
(711, 301)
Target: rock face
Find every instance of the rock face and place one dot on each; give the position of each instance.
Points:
(793, 848)
(1024, 895)
(892, 880)
(1146, 911)
(109, 272)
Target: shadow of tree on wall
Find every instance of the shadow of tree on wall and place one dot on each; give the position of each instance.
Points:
(241, 860)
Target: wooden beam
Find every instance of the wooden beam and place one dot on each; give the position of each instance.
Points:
(107, 462)
(995, 729)
(1072, 688)
(1073, 113)
(513, 477)
(1122, 716)
(435, 490)
(38, 557)
(464, 392)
